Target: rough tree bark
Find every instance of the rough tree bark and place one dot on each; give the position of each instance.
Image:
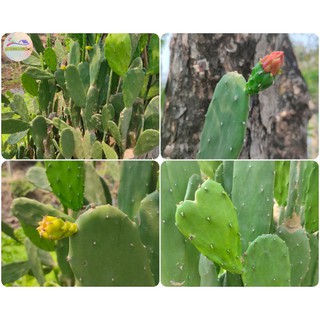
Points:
(278, 116)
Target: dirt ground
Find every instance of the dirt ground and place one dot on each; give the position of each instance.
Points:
(13, 170)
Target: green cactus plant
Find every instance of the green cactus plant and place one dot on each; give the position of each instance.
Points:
(225, 125)
(104, 232)
(267, 209)
(93, 83)
(259, 268)
(224, 129)
(93, 241)
(210, 223)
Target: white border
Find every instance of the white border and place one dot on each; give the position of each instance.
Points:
(160, 17)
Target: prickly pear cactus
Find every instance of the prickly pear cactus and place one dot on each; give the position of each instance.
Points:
(266, 263)
(67, 182)
(207, 272)
(53, 228)
(254, 203)
(107, 251)
(224, 128)
(210, 223)
(299, 253)
(312, 201)
(148, 222)
(179, 267)
(264, 72)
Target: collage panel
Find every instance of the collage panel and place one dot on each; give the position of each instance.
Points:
(240, 96)
(239, 223)
(80, 96)
(80, 223)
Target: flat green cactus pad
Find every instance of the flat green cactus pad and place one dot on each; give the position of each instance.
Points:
(107, 251)
(210, 223)
(266, 263)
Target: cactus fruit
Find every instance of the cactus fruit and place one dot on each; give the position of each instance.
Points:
(210, 223)
(53, 228)
(225, 125)
(266, 262)
(108, 241)
(264, 72)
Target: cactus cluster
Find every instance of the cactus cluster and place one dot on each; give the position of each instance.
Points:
(95, 242)
(88, 96)
(224, 130)
(241, 230)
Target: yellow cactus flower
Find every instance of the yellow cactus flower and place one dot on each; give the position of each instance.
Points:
(53, 228)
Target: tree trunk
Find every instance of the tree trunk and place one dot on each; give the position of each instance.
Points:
(278, 116)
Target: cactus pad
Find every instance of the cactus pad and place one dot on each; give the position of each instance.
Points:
(210, 223)
(67, 182)
(225, 125)
(266, 263)
(107, 251)
(254, 202)
(299, 252)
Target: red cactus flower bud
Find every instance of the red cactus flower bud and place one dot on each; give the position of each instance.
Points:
(273, 62)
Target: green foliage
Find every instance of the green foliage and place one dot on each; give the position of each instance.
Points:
(83, 82)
